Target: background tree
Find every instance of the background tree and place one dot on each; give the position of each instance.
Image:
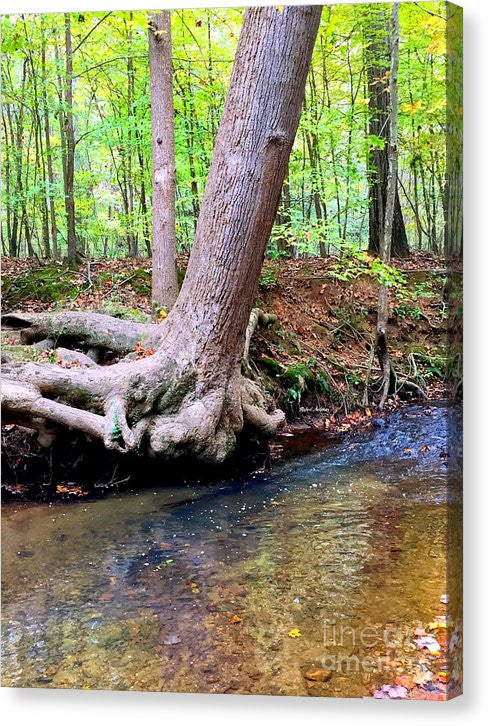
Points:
(164, 280)
(379, 129)
(381, 342)
(69, 140)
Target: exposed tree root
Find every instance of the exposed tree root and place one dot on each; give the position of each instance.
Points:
(158, 406)
(93, 330)
(257, 318)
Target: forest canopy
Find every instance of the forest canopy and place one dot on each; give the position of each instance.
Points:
(324, 200)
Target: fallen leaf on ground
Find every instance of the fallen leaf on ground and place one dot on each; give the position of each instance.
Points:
(294, 633)
(318, 674)
(430, 643)
(405, 681)
(235, 619)
(388, 691)
(422, 677)
(437, 625)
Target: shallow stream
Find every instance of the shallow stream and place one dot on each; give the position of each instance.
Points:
(141, 590)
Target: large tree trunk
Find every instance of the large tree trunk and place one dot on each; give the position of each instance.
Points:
(190, 397)
(377, 55)
(164, 280)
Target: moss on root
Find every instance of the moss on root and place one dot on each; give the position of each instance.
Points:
(122, 312)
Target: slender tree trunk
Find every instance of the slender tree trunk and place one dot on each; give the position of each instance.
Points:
(188, 111)
(379, 126)
(17, 139)
(70, 143)
(164, 280)
(389, 219)
(62, 125)
(131, 234)
(49, 159)
(143, 196)
(190, 397)
(333, 152)
(283, 216)
(41, 165)
(8, 212)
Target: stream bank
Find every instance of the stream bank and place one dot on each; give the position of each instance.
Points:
(312, 361)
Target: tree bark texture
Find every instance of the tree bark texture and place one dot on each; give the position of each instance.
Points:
(164, 280)
(389, 218)
(379, 125)
(70, 144)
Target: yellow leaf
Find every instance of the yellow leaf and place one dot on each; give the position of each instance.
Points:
(294, 633)
(436, 625)
(412, 108)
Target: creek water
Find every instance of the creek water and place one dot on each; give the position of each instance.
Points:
(140, 590)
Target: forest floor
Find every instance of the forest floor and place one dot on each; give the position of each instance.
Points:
(313, 360)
